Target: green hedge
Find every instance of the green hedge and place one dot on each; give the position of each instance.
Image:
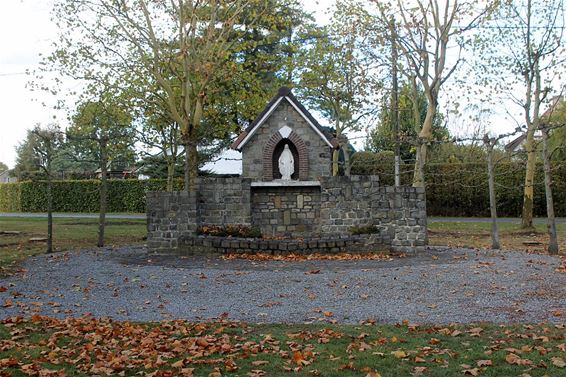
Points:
(452, 190)
(10, 197)
(79, 196)
(462, 189)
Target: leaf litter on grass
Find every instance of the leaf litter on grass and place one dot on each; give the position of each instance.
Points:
(45, 346)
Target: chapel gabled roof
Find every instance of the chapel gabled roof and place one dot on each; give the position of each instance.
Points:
(284, 94)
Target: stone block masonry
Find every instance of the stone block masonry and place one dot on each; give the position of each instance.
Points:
(191, 245)
(169, 216)
(315, 156)
(223, 201)
(288, 211)
(329, 210)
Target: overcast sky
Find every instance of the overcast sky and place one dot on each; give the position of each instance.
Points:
(25, 32)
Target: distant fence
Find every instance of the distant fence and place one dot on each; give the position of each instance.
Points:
(462, 189)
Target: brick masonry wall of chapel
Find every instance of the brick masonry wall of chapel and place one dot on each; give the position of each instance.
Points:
(319, 153)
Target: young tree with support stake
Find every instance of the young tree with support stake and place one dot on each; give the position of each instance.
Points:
(101, 129)
(46, 148)
(490, 143)
(521, 60)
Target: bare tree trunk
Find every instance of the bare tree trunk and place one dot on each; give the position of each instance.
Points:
(421, 148)
(193, 164)
(191, 155)
(419, 171)
(187, 177)
(347, 167)
(170, 174)
(335, 156)
(336, 152)
(551, 225)
(49, 210)
(103, 190)
(492, 201)
(532, 125)
(528, 193)
(395, 104)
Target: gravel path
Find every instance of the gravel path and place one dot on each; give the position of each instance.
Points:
(439, 286)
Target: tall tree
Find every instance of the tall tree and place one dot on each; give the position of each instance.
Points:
(336, 78)
(524, 53)
(46, 147)
(426, 30)
(26, 166)
(101, 129)
(180, 45)
(381, 138)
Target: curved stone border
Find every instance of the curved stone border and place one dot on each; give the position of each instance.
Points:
(223, 245)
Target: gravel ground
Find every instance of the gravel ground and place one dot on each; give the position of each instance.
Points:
(439, 286)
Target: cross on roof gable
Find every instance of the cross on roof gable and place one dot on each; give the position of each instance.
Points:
(284, 94)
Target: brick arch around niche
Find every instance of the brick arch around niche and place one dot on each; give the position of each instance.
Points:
(269, 149)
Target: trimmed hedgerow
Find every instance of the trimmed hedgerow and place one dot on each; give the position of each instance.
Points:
(452, 190)
(79, 196)
(462, 189)
(10, 194)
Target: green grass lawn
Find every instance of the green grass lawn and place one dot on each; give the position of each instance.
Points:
(71, 233)
(504, 227)
(67, 234)
(88, 346)
(477, 235)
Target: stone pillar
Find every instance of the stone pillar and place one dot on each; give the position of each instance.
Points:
(169, 216)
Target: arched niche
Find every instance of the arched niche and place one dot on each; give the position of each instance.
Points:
(273, 149)
(277, 153)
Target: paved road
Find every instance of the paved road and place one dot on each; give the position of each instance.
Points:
(540, 220)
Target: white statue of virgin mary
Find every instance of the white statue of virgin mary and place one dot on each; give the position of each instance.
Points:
(286, 163)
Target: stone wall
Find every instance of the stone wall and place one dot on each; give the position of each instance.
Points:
(169, 216)
(347, 202)
(291, 211)
(395, 217)
(190, 245)
(318, 153)
(398, 214)
(406, 217)
(224, 201)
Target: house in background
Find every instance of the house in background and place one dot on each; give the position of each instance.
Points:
(6, 178)
(556, 106)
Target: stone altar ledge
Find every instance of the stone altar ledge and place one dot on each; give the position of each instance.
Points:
(285, 183)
